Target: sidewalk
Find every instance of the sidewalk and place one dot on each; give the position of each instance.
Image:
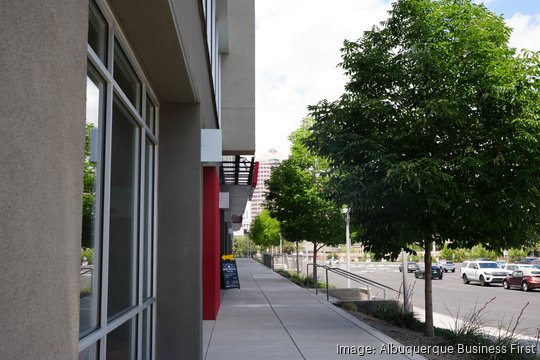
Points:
(272, 318)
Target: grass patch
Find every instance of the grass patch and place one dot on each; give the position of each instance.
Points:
(301, 279)
(468, 332)
(392, 313)
(506, 341)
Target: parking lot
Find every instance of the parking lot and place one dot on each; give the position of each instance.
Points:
(453, 298)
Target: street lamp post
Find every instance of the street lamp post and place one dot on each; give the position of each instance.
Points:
(347, 244)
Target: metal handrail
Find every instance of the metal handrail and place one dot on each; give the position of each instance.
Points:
(348, 275)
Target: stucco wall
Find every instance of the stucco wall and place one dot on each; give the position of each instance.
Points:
(238, 82)
(43, 77)
(179, 254)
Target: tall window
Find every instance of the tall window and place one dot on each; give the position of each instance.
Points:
(117, 293)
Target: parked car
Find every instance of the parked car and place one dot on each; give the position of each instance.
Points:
(436, 273)
(524, 279)
(514, 267)
(447, 266)
(411, 267)
(485, 272)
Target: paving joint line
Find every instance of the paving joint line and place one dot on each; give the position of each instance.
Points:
(274, 310)
(210, 338)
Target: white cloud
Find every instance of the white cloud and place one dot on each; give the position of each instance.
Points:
(297, 52)
(526, 31)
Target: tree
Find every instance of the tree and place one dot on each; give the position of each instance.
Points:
(243, 246)
(265, 230)
(89, 193)
(297, 197)
(436, 135)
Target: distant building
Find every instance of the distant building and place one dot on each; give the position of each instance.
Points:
(267, 162)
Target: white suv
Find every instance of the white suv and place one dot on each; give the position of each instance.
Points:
(485, 272)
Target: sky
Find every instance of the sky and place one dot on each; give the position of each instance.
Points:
(298, 46)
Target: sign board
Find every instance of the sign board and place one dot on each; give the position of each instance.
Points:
(229, 274)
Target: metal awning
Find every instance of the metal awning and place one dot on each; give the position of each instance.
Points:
(237, 170)
(238, 177)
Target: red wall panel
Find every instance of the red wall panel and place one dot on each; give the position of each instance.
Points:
(211, 263)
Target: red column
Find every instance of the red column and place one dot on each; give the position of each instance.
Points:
(211, 263)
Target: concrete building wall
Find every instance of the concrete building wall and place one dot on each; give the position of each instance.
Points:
(179, 253)
(191, 32)
(238, 82)
(169, 40)
(43, 67)
(43, 77)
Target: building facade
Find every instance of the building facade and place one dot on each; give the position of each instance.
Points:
(267, 162)
(119, 115)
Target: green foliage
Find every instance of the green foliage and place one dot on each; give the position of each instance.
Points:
(243, 246)
(478, 251)
(265, 230)
(330, 256)
(288, 247)
(349, 306)
(85, 292)
(518, 254)
(87, 253)
(436, 136)
(301, 279)
(297, 196)
(89, 192)
(457, 255)
(470, 331)
(393, 313)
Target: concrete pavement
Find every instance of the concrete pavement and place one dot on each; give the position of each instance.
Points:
(272, 318)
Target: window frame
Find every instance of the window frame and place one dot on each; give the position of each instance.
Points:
(145, 135)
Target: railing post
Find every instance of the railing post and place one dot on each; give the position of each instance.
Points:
(368, 293)
(315, 280)
(327, 289)
(307, 276)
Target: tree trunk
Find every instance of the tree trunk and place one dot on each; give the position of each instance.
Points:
(297, 260)
(315, 265)
(429, 330)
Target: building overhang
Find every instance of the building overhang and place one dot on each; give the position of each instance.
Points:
(153, 34)
(237, 177)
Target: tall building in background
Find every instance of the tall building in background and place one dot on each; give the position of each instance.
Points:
(267, 162)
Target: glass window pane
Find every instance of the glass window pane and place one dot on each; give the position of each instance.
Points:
(148, 219)
(150, 115)
(97, 32)
(147, 333)
(89, 290)
(126, 78)
(123, 212)
(90, 353)
(122, 341)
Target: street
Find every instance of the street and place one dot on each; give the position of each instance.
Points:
(452, 298)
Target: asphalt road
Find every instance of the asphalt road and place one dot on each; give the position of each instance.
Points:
(452, 298)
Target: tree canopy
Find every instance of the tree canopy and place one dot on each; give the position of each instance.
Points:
(265, 230)
(435, 138)
(296, 196)
(89, 193)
